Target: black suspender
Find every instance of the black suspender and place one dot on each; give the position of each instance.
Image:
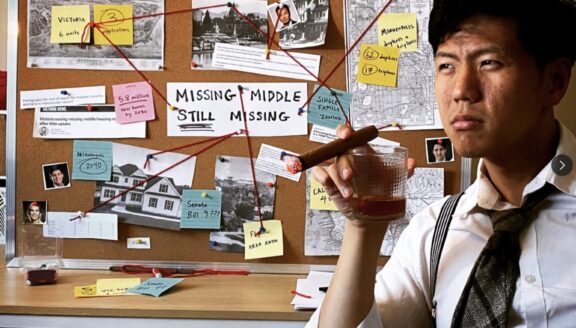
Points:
(438, 239)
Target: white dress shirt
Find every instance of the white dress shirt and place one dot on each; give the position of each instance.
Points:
(546, 289)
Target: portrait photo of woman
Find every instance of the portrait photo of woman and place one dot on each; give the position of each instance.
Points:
(34, 212)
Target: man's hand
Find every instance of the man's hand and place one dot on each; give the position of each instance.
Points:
(336, 177)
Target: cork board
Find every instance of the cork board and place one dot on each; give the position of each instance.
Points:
(187, 244)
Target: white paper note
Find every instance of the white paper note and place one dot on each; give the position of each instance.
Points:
(253, 60)
(92, 226)
(269, 160)
(77, 122)
(63, 97)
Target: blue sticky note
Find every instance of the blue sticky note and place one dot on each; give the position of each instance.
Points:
(155, 286)
(201, 209)
(325, 110)
(92, 160)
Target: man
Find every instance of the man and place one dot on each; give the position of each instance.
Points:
(284, 15)
(439, 150)
(56, 177)
(501, 67)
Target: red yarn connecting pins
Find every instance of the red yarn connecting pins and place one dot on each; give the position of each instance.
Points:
(241, 92)
(218, 140)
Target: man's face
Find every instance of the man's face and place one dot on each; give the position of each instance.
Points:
(284, 15)
(57, 177)
(439, 153)
(490, 92)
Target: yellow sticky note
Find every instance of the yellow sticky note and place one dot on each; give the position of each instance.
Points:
(378, 65)
(319, 199)
(115, 287)
(267, 244)
(68, 23)
(85, 291)
(399, 31)
(116, 22)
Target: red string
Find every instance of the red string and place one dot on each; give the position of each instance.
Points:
(271, 38)
(162, 14)
(341, 108)
(218, 140)
(97, 26)
(251, 156)
(185, 146)
(300, 294)
(350, 50)
(180, 273)
(276, 43)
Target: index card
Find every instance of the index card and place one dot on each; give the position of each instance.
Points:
(92, 226)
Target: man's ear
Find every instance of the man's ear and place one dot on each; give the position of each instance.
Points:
(558, 73)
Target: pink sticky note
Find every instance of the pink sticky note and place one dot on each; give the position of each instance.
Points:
(133, 102)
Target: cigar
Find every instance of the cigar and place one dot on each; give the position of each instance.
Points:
(334, 148)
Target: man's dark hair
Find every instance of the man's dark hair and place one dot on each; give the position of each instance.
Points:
(545, 27)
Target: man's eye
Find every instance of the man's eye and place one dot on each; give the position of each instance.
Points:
(444, 66)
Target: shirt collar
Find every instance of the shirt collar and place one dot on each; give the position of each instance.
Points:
(483, 194)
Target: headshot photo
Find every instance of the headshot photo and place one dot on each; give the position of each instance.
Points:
(56, 175)
(439, 150)
(284, 14)
(34, 211)
(43, 131)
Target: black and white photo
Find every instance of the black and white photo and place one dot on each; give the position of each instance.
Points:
(224, 25)
(311, 31)
(239, 206)
(147, 52)
(140, 197)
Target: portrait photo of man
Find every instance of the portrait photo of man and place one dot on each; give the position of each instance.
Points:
(284, 14)
(439, 150)
(56, 175)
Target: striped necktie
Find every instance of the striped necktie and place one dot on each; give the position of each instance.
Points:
(490, 288)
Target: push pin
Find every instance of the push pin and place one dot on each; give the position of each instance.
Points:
(173, 108)
(150, 156)
(64, 92)
(229, 4)
(269, 184)
(195, 64)
(223, 159)
(300, 111)
(89, 107)
(157, 273)
(204, 195)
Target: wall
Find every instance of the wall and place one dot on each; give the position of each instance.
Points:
(566, 110)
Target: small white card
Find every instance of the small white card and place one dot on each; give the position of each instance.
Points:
(253, 60)
(270, 160)
(138, 243)
(91, 226)
(63, 97)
